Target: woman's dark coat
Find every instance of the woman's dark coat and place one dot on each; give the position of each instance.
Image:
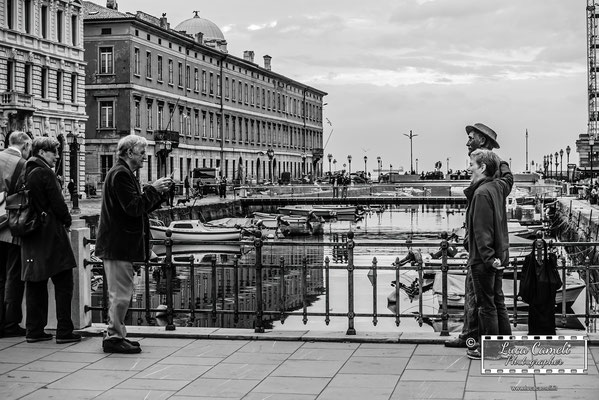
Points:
(123, 231)
(47, 251)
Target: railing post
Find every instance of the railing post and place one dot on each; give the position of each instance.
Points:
(587, 263)
(169, 281)
(305, 290)
(350, 284)
(374, 292)
(327, 318)
(259, 327)
(282, 289)
(192, 290)
(564, 292)
(444, 269)
(236, 289)
(214, 288)
(397, 283)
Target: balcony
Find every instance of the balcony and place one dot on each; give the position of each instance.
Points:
(16, 101)
(164, 135)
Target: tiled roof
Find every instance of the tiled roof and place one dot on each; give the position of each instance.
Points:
(95, 11)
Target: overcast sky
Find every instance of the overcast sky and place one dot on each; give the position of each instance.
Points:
(430, 66)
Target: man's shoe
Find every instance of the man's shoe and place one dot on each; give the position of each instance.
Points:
(41, 338)
(119, 346)
(15, 332)
(456, 342)
(473, 354)
(132, 342)
(70, 338)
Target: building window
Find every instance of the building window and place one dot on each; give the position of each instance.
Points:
(159, 68)
(246, 94)
(106, 114)
(44, 83)
(227, 87)
(59, 85)
(10, 75)
(203, 82)
(106, 61)
(188, 123)
(227, 127)
(11, 9)
(233, 92)
(136, 61)
(28, 78)
(203, 124)
(148, 64)
(240, 87)
(218, 87)
(170, 72)
(106, 161)
(187, 76)
(196, 80)
(197, 123)
(44, 21)
(73, 88)
(149, 168)
(258, 97)
(160, 113)
(28, 17)
(149, 111)
(263, 98)
(211, 84)
(252, 95)
(59, 26)
(180, 74)
(137, 115)
(211, 126)
(74, 30)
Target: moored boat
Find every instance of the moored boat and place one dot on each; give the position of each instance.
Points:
(320, 211)
(292, 225)
(194, 231)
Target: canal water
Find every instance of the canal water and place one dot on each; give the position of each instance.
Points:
(215, 284)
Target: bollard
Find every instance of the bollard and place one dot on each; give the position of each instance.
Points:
(81, 277)
(397, 303)
(305, 290)
(350, 284)
(374, 292)
(282, 289)
(148, 304)
(327, 318)
(169, 281)
(258, 242)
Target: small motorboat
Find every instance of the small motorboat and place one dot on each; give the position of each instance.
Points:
(292, 225)
(193, 231)
(331, 211)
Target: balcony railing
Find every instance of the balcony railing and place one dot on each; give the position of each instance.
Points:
(274, 288)
(16, 100)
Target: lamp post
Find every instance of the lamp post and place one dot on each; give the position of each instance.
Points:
(591, 143)
(510, 162)
(416, 165)
(561, 164)
(73, 173)
(447, 166)
(330, 157)
(365, 168)
(545, 165)
(568, 154)
(556, 163)
(335, 164)
(349, 161)
(270, 153)
(411, 136)
(550, 165)
(303, 163)
(390, 167)
(379, 163)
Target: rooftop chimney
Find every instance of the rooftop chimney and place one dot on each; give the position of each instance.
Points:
(112, 4)
(267, 59)
(248, 55)
(199, 37)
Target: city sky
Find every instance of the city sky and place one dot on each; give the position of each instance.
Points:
(430, 66)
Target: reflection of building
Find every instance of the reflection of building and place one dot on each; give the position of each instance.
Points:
(41, 72)
(196, 104)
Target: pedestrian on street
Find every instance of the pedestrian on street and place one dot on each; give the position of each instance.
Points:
(335, 187)
(123, 235)
(223, 187)
(47, 252)
(480, 136)
(71, 189)
(186, 185)
(488, 243)
(11, 286)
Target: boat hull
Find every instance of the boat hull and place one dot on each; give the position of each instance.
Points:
(190, 236)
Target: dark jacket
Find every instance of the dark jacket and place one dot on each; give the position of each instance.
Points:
(123, 231)
(486, 218)
(47, 251)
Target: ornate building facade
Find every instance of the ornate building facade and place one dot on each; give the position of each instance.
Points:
(197, 105)
(41, 76)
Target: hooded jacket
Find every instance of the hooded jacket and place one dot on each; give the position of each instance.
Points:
(486, 218)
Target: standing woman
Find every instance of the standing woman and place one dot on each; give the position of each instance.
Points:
(47, 252)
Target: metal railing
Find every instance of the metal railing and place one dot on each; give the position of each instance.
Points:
(279, 270)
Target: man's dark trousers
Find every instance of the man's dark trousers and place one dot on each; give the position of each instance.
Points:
(11, 287)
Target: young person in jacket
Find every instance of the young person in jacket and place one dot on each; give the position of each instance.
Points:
(488, 243)
(123, 234)
(47, 253)
(11, 285)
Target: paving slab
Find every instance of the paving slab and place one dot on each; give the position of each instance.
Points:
(428, 390)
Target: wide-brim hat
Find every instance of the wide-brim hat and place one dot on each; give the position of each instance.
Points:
(485, 130)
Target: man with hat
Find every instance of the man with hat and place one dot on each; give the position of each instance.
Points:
(480, 136)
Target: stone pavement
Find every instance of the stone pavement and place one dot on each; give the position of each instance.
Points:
(274, 367)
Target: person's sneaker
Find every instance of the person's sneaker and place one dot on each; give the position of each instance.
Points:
(132, 342)
(41, 338)
(70, 338)
(456, 342)
(473, 354)
(119, 346)
(15, 332)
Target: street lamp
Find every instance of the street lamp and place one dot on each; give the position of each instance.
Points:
(303, 155)
(568, 154)
(591, 143)
(365, 168)
(335, 164)
(270, 153)
(379, 162)
(411, 136)
(561, 164)
(556, 163)
(330, 157)
(550, 164)
(349, 161)
(73, 173)
(510, 162)
(416, 165)
(447, 165)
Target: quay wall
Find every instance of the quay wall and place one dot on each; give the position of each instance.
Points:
(574, 220)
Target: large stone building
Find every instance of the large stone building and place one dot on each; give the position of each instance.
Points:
(197, 105)
(41, 75)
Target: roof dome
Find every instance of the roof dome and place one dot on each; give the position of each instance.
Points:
(196, 24)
